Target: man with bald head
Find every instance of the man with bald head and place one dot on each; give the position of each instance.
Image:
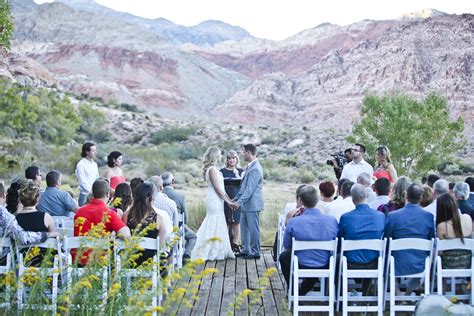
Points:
(440, 187)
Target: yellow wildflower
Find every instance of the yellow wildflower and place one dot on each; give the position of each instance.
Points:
(215, 239)
(32, 253)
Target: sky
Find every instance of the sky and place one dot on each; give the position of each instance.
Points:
(279, 19)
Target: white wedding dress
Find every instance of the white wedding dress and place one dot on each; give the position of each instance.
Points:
(213, 237)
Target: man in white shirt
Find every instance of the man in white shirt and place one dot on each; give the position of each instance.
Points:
(342, 205)
(86, 171)
(163, 202)
(358, 165)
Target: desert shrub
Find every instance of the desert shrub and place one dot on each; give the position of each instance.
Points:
(305, 176)
(171, 135)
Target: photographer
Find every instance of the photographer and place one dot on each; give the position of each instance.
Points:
(339, 160)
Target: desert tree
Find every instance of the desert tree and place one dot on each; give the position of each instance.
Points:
(419, 133)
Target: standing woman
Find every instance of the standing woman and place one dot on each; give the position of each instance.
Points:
(232, 176)
(384, 167)
(450, 223)
(114, 172)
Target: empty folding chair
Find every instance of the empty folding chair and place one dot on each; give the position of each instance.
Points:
(6, 268)
(454, 274)
(324, 274)
(401, 245)
(345, 274)
(43, 271)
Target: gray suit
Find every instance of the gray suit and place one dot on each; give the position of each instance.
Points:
(180, 201)
(250, 199)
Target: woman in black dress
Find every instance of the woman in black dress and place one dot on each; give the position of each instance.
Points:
(232, 177)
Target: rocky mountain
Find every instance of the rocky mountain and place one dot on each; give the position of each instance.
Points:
(102, 56)
(206, 34)
(316, 78)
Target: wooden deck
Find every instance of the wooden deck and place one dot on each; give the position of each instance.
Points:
(218, 290)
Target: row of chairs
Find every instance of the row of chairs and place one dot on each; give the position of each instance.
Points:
(385, 269)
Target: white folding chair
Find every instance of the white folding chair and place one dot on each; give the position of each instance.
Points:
(345, 274)
(80, 244)
(6, 244)
(280, 233)
(178, 248)
(127, 274)
(452, 274)
(323, 274)
(44, 272)
(59, 220)
(408, 244)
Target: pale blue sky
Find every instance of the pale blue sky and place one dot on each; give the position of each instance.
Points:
(278, 19)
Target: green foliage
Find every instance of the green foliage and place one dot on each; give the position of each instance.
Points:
(92, 122)
(171, 135)
(6, 25)
(36, 113)
(419, 134)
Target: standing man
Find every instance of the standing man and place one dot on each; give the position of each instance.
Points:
(86, 171)
(180, 200)
(250, 199)
(358, 165)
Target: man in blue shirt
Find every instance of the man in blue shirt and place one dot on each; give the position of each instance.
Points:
(410, 221)
(54, 201)
(311, 225)
(361, 223)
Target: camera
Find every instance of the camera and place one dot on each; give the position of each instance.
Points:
(340, 159)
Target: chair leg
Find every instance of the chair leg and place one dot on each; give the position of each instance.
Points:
(392, 288)
(439, 277)
(345, 288)
(296, 303)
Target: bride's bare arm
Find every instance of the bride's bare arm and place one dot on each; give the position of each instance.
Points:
(215, 184)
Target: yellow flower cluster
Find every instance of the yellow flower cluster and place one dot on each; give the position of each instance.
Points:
(117, 202)
(30, 277)
(32, 253)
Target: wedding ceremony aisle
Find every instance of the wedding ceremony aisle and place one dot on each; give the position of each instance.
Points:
(218, 289)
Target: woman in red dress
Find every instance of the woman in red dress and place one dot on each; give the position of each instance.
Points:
(384, 167)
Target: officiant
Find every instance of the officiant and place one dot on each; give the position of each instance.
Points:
(232, 177)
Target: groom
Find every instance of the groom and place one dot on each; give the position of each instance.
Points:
(250, 200)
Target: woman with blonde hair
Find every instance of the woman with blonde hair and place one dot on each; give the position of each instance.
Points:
(384, 167)
(397, 196)
(232, 177)
(212, 237)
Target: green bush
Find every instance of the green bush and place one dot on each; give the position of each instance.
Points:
(171, 135)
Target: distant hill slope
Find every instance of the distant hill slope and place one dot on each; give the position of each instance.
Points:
(318, 76)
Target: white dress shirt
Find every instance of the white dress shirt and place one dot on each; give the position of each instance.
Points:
(353, 169)
(339, 207)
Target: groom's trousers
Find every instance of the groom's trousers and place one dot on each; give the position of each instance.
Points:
(250, 232)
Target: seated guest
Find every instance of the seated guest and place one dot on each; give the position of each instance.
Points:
(440, 187)
(341, 206)
(366, 181)
(298, 208)
(9, 228)
(327, 190)
(431, 179)
(382, 190)
(302, 228)
(450, 224)
(427, 197)
(410, 221)
(96, 213)
(134, 183)
(12, 201)
(123, 198)
(397, 197)
(361, 223)
(54, 201)
(33, 173)
(470, 183)
(461, 193)
(141, 215)
(29, 218)
(162, 202)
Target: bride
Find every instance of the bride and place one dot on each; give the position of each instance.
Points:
(212, 237)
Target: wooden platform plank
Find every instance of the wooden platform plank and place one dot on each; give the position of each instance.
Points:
(278, 288)
(252, 282)
(229, 287)
(199, 307)
(267, 299)
(241, 285)
(215, 295)
(182, 308)
(275, 279)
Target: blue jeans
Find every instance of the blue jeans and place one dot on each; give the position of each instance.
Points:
(82, 199)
